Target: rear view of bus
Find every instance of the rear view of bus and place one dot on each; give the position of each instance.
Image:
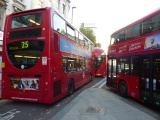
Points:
(44, 57)
(23, 64)
(99, 62)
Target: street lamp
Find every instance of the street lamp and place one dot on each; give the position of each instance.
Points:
(72, 15)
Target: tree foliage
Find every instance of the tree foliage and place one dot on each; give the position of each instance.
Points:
(89, 33)
(98, 45)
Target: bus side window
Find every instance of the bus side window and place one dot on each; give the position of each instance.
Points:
(71, 65)
(82, 62)
(78, 64)
(59, 24)
(77, 37)
(71, 33)
(81, 41)
(86, 43)
(64, 64)
(121, 36)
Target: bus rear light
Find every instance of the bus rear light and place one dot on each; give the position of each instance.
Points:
(43, 28)
(46, 83)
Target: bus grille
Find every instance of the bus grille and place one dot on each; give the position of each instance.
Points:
(26, 33)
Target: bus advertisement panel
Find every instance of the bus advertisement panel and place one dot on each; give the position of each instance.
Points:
(133, 66)
(43, 61)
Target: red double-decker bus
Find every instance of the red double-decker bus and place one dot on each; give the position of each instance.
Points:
(134, 60)
(44, 57)
(99, 62)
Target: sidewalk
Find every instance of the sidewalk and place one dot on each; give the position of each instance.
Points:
(100, 104)
(0, 89)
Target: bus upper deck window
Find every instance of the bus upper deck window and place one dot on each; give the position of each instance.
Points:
(113, 41)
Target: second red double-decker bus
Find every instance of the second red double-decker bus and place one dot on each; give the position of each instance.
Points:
(44, 57)
(99, 62)
(134, 60)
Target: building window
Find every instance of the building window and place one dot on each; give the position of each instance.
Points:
(58, 4)
(63, 9)
(40, 3)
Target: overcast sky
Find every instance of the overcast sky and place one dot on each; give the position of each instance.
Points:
(110, 15)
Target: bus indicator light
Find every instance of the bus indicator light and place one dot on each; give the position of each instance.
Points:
(3, 65)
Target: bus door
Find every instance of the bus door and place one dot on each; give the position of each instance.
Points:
(145, 78)
(150, 79)
(111, 76)
(156, 79)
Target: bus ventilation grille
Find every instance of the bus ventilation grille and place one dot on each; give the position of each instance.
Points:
(26, 33)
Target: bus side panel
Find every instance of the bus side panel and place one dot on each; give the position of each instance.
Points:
(133, 86)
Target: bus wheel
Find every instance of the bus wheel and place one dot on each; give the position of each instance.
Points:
(70, 87)
(122, 89)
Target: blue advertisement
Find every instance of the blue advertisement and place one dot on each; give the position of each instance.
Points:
(152, 42)
(68, 47)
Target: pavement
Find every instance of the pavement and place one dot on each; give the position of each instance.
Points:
(0, 88)
(103, 104)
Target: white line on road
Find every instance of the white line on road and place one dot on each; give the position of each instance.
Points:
(102, 82)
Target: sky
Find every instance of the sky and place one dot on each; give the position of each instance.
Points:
(109, 15)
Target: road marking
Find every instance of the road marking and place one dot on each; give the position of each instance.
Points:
(9, 115)
(102, 82)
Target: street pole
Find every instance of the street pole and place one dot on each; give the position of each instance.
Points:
(72, 15)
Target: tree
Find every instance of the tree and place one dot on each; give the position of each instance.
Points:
(89, 33)
(98, 45)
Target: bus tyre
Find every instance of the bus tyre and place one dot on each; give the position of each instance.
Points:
(123, 89)
(70, 87)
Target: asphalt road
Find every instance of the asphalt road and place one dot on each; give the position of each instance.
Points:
(13, 110)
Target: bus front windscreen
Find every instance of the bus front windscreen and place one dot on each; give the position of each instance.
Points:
(26, 21)
(25, 54)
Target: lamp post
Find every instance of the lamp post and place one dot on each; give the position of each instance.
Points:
(72, 15)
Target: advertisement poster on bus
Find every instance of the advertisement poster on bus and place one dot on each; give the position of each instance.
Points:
(152, 42)
(68, 47)
(122, 48)
(24, 83)
(135, 46)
